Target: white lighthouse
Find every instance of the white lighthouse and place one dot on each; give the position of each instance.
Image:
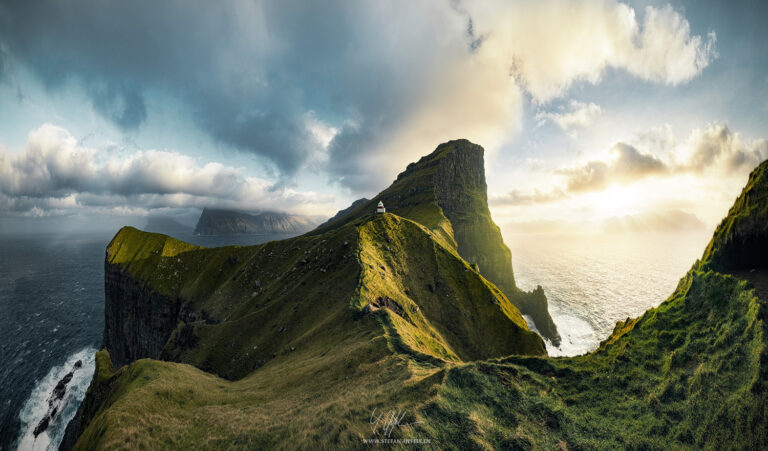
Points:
(380, 208)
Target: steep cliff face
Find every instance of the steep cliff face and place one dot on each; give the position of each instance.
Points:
(137, 319)
(478, 237)
(740, 241)
(230, 222)
(170, 300)
(446, 191)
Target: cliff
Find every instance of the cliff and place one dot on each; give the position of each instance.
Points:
(740, 241)
(317, 341)
(447, 192)
(231, 222)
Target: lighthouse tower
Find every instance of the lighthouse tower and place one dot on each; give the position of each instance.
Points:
(380, 208)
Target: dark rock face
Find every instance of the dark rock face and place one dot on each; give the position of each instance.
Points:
(97, 393)
(534, 303)
(231, 222)
(55, 400)
(740, 242)
(137, 320)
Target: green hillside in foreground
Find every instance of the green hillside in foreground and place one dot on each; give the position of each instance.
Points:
(403, 325)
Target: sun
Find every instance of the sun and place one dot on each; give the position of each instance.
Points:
(616, 200)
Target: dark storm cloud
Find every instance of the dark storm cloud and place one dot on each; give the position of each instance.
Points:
(208, 57)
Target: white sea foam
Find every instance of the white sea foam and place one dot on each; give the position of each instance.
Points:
(36, 407)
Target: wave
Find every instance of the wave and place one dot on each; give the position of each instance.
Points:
(54, 402)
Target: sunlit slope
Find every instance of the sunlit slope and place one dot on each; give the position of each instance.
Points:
(691, 373)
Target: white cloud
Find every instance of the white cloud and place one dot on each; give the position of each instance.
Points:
(575, 115)
(550, 44)
(55, 174)
(717, 147)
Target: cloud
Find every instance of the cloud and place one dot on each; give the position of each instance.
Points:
(247, 73)
(714, 149)
(627, 165)
(516, 197)
(575, 115)
(717, 145)
(553, 44)
(663, 221)
(54, 173)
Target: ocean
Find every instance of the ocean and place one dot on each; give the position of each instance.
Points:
(52, 306)
(593, 281)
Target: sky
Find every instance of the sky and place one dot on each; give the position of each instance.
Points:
(595, 115)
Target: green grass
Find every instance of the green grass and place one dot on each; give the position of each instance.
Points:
(689, 374)
(294, 344)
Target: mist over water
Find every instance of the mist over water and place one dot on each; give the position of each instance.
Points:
(593, 281)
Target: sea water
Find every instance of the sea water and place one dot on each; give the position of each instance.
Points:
(593, 281)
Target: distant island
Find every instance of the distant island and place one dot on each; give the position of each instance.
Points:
(233, 222)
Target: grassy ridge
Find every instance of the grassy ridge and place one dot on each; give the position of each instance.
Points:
(690, 373)
(287, 330)
(393, 329)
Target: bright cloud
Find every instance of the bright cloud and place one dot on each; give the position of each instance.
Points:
(575, 115)
(651, 174)
(552, 44)
(55, 173)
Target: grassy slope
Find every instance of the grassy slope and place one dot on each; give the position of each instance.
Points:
(286, 348)
(691, 373)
